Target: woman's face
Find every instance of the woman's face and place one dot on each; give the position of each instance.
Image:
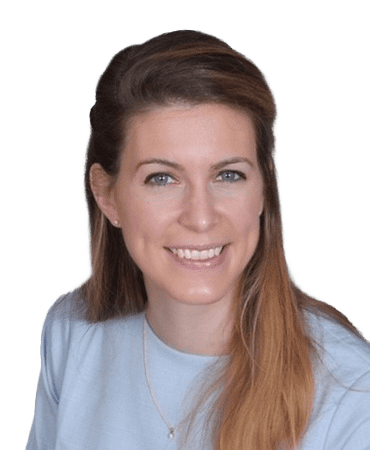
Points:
(161, 206)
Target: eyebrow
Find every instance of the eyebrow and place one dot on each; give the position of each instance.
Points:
(174, 165)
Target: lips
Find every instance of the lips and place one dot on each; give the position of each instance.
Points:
(196, 260)
(195, 254)
(199, 248)
(214, 263)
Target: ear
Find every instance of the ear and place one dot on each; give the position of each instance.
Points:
(101, 186)
(261, 210)
(262, 203)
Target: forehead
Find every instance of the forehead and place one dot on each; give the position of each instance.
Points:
(180, 131)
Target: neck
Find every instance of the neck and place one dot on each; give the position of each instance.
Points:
(195, 329)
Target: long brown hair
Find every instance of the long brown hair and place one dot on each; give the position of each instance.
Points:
(268, 383)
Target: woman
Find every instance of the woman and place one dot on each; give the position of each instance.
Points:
(190, 332)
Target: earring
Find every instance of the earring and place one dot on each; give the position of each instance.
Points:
(116, 223)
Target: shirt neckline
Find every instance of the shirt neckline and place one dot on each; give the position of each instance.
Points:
(177, 352)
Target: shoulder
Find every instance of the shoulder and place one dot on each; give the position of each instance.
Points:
(64, 317)
(342, 402)
(66, 321)
(70, 342)
(344, 353)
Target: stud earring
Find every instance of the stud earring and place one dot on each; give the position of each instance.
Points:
(116, 223)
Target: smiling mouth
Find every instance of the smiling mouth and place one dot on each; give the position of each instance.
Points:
(185, 258)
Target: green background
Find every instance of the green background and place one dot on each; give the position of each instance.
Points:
(316, 55)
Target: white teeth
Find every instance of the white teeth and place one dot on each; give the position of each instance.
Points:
(194, 254)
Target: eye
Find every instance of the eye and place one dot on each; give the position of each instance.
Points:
(156, 176)
(241, 175)
(152, 178)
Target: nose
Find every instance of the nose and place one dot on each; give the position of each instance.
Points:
(199, 211)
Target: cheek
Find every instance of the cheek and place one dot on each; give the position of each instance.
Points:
(247, 212)
(142, 223)
(247, 224)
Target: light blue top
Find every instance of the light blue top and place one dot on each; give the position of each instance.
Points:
(92, 392)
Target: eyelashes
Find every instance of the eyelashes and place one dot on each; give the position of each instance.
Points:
(149, 180)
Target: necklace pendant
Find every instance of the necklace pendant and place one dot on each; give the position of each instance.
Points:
(172, 433)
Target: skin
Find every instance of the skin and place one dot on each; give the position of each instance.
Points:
(189, 310)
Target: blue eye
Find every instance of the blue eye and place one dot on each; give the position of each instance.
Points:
(151, 179)
(234, 172)
(156, 176)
